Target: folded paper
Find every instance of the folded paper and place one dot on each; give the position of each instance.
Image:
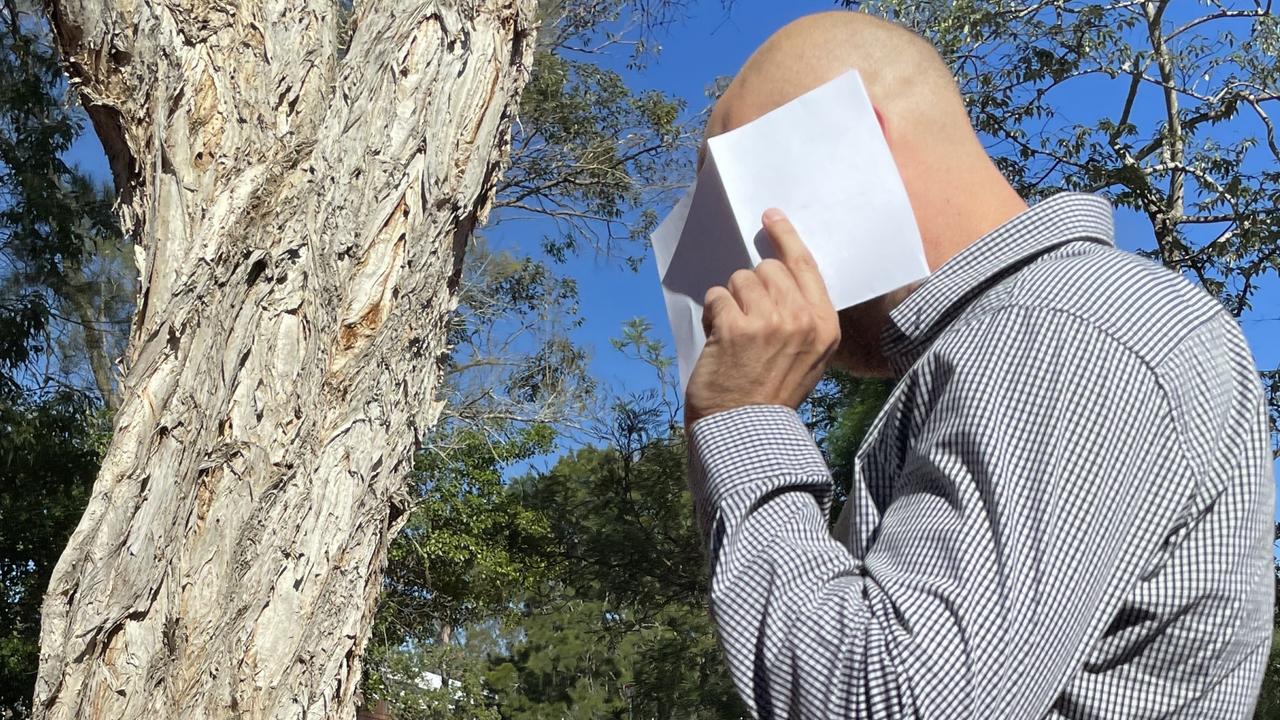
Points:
(823, 160)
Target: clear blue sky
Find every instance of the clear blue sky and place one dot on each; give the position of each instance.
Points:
(710, 42)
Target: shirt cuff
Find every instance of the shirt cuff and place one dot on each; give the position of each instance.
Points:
(765, 447)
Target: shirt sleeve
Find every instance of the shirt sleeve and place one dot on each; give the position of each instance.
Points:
(1040, 471)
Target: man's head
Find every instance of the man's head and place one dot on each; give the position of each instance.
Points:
(956, 192)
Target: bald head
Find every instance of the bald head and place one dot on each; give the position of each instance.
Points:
(957, 193)
(909, 84)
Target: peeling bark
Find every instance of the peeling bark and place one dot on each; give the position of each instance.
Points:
(300, 220)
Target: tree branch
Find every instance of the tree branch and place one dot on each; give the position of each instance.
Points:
(1220, 15)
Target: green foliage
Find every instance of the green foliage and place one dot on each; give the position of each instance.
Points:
(49, 452)
(467, 545)
(569, 666)
(35, 130)
(51, 215)
(627, 605)
(406, 685)
(556, 589)
(591, 156)
(588, 152)
(580, 591)
(623, 522)
(511, 359)
(1269, 699)
(590, 659)
(637, 344)
(840, 413)
(52, 431)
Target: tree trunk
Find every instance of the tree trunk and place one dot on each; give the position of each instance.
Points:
(300, 220)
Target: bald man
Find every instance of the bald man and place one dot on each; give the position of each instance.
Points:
(1064, 510)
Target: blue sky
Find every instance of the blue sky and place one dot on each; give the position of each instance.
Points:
(709, 42)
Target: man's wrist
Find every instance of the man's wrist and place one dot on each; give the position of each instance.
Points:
(734, 447)
(693, 416)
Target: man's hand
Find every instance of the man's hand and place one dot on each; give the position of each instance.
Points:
(769, 334)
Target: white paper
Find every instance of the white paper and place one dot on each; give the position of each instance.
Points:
(822, 159)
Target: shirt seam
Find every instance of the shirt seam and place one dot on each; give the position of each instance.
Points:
(1003, 280)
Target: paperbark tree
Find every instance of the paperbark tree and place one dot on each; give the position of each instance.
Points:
(299, 213)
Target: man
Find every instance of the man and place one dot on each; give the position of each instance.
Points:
(1065, 508)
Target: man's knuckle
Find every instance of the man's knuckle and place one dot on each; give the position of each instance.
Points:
(771, 266)
(752, 328)
(799, 322)
(830, 339)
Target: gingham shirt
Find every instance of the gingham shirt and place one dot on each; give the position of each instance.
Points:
(1064, 510)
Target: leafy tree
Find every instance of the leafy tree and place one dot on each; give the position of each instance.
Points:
(614, 563)
(1182, 84)
(577, 582)
(592, 155)
(65, 285)
(570, 665)
(589, 659)
(626, 607)
(52, 423)
(433, 682)
(623, 522)
(590, 159)
(589, 153)
(34, 131)
(1268, 707)
(468, 545)
(1269, 697)
(840, 413)
(49, 450)
(512, 361)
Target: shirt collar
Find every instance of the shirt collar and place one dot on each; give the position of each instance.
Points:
(1063, 218)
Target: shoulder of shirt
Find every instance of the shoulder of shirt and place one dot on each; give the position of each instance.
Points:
(1194, 349)
(1146, 308)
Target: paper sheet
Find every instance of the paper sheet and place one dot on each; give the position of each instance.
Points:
(823, 160)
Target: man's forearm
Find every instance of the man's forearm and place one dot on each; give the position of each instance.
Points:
(787, 599)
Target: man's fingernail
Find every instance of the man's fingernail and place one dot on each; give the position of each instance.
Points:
(774, 215)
